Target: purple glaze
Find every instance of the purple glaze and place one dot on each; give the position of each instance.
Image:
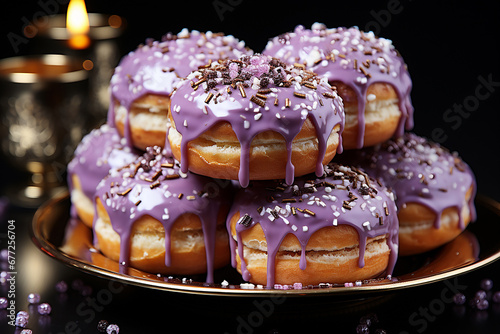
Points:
(158, 66)
(420, 171)
(151, 186)
(367, 213)
(193, 115)
(98, 152)
(334, 53)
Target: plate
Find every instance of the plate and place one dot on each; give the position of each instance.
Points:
(68, 240)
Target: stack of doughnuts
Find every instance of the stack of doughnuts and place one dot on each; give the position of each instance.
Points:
(193, 112)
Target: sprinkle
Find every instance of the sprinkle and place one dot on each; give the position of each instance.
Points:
(180, 196)
(335, 222)
(242, 91)
(185, 123)
(246, 220)
(246, 124)
(309, 212)
(309, 85)
(288, 200)
(328, 95)
(299, 66)
(199, 82)
(209, 97)
(257, 101)
(305, 228)
(301, 95)
(191, 198)
(294, 211)
(367, 225)
(154, 185)
(172, 176)
(167, 165)
(137, 203)
(276, 101)
(287, 103)
(261, 96)
(125, 192)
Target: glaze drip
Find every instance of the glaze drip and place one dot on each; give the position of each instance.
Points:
(256, 94)
(154, 185)
(356, 58)
(420, 171)
(343, 195)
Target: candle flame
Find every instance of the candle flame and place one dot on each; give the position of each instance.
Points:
(77, 22)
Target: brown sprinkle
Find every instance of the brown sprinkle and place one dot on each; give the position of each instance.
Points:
(180, 196)
(209, 97)
(125, 192)
(242, 91)
(257, 101)
(309, 212)
(301, 95)
(287, 103)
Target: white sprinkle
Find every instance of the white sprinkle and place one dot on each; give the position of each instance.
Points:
(246, 124)
(335, 222)
(185, 123)
(257, 116)
(367, 225)
(371, 97)
(294, 227)
(305, 228)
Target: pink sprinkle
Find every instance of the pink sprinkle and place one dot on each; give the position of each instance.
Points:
(297, 286)
(278, 286)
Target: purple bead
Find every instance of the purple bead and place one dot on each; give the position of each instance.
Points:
(459, 299)
(3, 303)
(496, 297)
(4, 254)
(22, 318)
(482, 304)
(33, 298)
(481, 294)
(61, 287)
(486, 284)
(362, 329)
(113, 329)
(44, 309)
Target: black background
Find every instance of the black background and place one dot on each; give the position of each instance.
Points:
(448, 46)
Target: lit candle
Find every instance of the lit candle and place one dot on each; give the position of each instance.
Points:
(77, 22)
(94, 38)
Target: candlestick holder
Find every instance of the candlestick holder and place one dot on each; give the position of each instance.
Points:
(42, 116)
(102, 54)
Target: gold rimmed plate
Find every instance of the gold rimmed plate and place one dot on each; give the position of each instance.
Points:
(68, 240)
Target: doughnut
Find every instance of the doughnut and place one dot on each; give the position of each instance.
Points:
(98, 152)
(153, 217)
(434, 189)
(144, 79)
(255, 118)
(369, 73)
(341, 227)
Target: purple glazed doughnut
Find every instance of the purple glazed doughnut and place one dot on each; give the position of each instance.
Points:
(369, 73)
(153, 217)
(143, 81)
(255, 118)
(434, 189)
(98, 152)
(338, 228)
